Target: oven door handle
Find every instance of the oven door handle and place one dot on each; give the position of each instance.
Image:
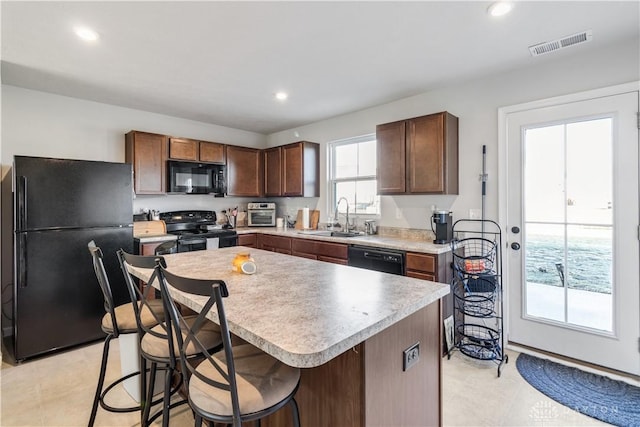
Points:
(187, 242)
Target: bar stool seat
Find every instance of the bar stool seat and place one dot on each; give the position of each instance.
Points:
(262, 382)
(126, 317)
(156, 348)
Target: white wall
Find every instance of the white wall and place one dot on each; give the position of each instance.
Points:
(476, 104)
(42, 124)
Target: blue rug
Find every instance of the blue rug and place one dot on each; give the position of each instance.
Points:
(611, 401)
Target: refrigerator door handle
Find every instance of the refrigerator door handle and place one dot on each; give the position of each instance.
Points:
(21, 203)
(22, 260)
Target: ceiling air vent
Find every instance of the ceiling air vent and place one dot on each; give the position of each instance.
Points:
(572, 40)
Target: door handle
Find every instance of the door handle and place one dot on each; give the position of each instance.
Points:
(21, 203)
(22, 260)
(515, 246)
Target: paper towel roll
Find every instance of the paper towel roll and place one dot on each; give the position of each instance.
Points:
(305, 218)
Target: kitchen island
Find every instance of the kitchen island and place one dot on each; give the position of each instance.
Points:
(346, 327)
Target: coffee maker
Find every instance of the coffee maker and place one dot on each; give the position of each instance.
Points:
(443, 226)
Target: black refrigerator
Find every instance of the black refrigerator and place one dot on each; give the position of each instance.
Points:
(59, 206)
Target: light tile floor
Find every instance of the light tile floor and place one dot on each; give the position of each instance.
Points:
(58, 391)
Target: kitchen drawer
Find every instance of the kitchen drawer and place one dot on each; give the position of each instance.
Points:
(249, 240)
(304, 255)
(420, 275)
(274, 243)
(421, 262)
(315, 247)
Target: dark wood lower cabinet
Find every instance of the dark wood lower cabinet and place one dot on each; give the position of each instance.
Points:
(335, 253)
(366, 385)
(436, 268)
(249, 240)
(272, 243)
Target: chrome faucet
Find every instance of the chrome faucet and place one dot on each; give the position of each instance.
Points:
(345, 228)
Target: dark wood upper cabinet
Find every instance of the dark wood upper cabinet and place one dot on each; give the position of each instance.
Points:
(183, 149)
(244, 171)
(292, 170)
(301, 169)
(196, 151)
(390, 143)
(147, 152)
(273, 171)
(212, 152)
(418, 155)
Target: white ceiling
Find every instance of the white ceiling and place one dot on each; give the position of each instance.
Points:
(222, 62)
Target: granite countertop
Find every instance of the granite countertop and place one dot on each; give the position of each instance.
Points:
(375, 240)
(303, 312)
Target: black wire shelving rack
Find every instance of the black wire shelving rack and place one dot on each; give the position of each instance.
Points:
(477, 291)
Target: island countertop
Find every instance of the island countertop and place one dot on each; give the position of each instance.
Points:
(303, 312)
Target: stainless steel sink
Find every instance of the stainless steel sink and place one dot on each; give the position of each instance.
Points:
(344, 234)
(328, 233)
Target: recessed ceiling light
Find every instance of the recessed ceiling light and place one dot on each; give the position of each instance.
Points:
(281, 96)
(500, 8)
(86, 34)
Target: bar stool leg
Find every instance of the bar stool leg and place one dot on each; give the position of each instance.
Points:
(295, 413)
(149, 395)
(166, 404)
(144, 399)
(103, 370)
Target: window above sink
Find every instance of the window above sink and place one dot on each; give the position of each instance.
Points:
(352, 175)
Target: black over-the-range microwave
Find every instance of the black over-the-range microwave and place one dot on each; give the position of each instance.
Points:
(197, 178)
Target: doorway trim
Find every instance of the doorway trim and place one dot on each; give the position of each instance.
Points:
(503, 151)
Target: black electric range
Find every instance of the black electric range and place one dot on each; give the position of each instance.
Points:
(197, 230)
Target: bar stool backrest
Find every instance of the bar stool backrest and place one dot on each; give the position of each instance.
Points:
(216, 290)
(103, 281)
(140, 296)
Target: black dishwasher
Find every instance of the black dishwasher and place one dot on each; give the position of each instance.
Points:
(384, 260)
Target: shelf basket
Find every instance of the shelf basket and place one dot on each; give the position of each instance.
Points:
(475, 296)
(474, 255)
(479, 342)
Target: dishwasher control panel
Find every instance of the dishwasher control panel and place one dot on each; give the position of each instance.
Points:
(386, 261)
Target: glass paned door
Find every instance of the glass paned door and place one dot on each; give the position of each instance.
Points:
(568, 193)
(572, 196)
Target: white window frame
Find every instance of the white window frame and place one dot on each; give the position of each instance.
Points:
(331, 181)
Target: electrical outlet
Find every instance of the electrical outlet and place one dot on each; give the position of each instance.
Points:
(475, 213)
(410, 356)
(398, 213)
